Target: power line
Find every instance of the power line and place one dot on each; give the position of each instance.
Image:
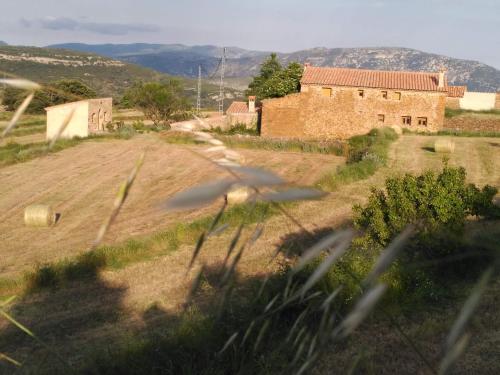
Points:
(221, 88)
(198, 97)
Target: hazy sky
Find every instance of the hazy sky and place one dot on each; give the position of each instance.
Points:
(467, 29)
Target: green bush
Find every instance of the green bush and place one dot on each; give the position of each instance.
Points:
(365, 154)
(437, 203)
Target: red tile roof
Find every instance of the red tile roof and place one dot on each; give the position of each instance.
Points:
(456, 91)
(238, 107)
(421, 81)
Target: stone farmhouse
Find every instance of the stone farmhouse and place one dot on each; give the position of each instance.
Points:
(338, 103)
(242, 113)
(89, 117)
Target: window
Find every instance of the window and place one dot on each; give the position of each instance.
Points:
(361, 93)
(326, 91)
(397, 95)
(406, 120)
(422, 121)
(381, 118)
(384, 94)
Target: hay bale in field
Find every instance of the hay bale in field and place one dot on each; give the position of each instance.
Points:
(238, 194)
(444, 146)
(39, 215)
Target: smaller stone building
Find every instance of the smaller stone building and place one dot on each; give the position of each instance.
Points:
(242, 113)
(89, 117)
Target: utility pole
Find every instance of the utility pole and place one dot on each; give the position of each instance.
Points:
(221, 91)
(198, 97)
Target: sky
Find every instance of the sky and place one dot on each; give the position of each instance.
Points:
(468, 29)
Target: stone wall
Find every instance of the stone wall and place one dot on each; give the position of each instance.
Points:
(249, 119)
(100, 114)
(453, 103)
(313, 115)
(497, 101)
(473, 123)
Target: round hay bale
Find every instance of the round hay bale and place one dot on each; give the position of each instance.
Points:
(238, 194)
(444, 146)
(39, 215)
(397, 129)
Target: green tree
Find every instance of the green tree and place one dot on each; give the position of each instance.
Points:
(72, 88)
(274, 81)
(52, 94)
(438, 203)
(161, 102)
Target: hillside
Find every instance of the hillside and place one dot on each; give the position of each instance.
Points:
(183, 60)
(109, 77)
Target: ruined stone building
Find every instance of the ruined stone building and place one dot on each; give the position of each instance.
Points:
(337, 103)
(89, 117)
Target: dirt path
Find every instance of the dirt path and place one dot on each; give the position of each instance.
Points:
(81, 182)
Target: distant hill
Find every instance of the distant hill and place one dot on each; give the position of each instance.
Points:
(183, 60)
(108, 76)
(2, 43)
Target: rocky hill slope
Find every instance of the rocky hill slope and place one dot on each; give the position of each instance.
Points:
(108, 76)
(183, 60)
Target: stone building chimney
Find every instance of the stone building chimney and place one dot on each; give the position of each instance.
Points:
(442, 78)
(251, 104)
(306, 65)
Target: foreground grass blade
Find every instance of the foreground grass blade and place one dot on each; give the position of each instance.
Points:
(63, 126)
(20, 83)
(119, 200)
(6, 358)
(198, 196)
(453, 354)
(390, 253)
(228, 342)
(315, 250)
(468, 309)
(257, 176)
(360, 311)
(292, 194)
(325, 265)
(27, 331)
(20, 110)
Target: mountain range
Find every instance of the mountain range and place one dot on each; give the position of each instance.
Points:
(108, 76)
(182, 60)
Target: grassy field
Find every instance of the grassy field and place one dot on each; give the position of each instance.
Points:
(116, 309)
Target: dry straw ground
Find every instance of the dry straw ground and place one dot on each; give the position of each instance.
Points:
(132, 299)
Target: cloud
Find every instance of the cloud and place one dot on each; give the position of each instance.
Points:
(104, 28)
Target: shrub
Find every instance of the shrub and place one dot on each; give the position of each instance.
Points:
(436, 202)
(365, 154)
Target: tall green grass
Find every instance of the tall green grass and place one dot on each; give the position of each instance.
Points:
(258, 143)
(452, 112)
(366, 154)
(455, 133)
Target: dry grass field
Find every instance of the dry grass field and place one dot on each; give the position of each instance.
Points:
(81, 182)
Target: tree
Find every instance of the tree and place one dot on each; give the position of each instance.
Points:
(274, 81)
(52, 94)
(65, 89)
(161, 102)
